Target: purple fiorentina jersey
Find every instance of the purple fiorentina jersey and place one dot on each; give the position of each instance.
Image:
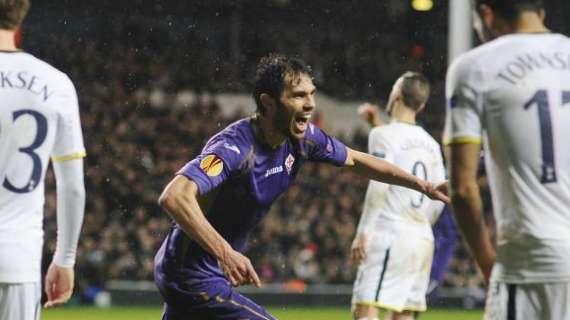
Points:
(239, 179)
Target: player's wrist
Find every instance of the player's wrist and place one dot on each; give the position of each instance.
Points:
(63, 261)
(224, 251)
(423, 186)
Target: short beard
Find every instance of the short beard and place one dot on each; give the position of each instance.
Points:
(282, 120)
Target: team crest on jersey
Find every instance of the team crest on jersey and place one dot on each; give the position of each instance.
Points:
(289, 163)
(212, 165)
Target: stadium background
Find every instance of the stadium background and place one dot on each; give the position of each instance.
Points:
(156, 78)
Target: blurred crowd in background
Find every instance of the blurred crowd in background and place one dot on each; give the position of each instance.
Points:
(135, 147)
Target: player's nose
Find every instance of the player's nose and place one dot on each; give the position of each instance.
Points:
(310, 104)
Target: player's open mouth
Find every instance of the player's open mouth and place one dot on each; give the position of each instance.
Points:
(301, 122)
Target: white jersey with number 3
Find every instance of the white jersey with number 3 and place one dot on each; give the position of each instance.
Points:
(39, 120)
(410, 148)
(513, 95)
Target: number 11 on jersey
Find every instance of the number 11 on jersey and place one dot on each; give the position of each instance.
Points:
(542, 102)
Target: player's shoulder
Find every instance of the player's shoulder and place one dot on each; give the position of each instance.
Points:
(44, 69)
(466, 63)
(236, 138)
(314, 135)
(417, 132)
(422, 132)
(313, 132)
(435, 144)
(477, 58)
(385, 135)
(385, 130)
(396, 130)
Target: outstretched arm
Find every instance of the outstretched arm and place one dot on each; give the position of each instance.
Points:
(463, 159)
(179, 199)
(383, 171)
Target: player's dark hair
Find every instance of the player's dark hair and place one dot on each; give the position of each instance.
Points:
(511, 9)
(415, 90)
(273, 72)
(12, 13)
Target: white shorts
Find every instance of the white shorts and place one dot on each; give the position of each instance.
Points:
(544, 301)
(395, 274)
(20, 301)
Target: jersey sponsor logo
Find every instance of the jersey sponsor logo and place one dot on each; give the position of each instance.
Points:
(212, 165)
(232, 147)
(289, 163)
(273, 171)
(329, 147)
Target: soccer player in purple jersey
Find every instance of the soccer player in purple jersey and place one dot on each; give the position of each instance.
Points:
(217, 198)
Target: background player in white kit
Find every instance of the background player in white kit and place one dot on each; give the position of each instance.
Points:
(513, 95)
(39, 119)
(394, 240)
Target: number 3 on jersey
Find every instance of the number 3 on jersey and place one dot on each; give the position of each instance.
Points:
(540, 98)
(41, 124)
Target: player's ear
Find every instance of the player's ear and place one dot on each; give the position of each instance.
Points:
(268, 102)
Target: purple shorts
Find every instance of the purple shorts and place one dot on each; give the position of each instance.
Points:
(211, 300)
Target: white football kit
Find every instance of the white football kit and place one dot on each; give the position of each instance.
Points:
(397, 222)
(513, 95)
(39, 120)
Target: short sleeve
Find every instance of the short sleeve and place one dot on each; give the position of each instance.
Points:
(463, 123)
(69, 138)
(220, 159)
(324, 148)
(379, 145)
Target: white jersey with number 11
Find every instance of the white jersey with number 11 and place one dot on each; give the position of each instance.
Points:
(513, 95)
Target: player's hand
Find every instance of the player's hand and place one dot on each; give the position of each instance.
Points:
(438, 191)
(358, 249)
(58, 285)
(238, 269)
(370, 113)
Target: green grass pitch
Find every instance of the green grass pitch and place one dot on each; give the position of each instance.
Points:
(282, 313)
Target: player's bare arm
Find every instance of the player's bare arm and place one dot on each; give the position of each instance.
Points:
(180, 200)
(383, 171)
(463, 161)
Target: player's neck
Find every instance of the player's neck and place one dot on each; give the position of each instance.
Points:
(529, 22)
(7, 40)
(403, 114)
